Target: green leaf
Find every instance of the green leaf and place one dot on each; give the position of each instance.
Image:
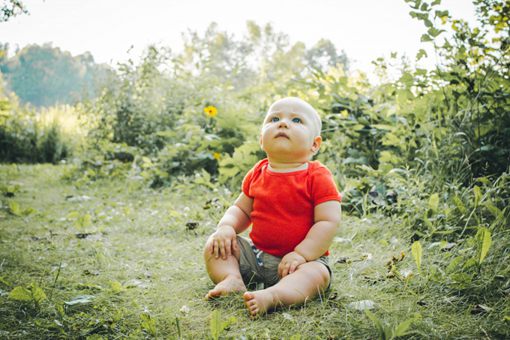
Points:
(469, 264)
(148, 324)
(15, 208)
(37, 293)
(478, 194)
(440, 14)
(116, 286)
(434, 32)
(416, 250)
(434, 202)
(20, 294)
(485, 241)
(378, 324)
(425, 38)
(421, 53)
(459, 204)
(454, 264)
(215, 324)
(495, 211)
(402, 327)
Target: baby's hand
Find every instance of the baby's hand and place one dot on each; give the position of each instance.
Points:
(223, 242)
(289, 264)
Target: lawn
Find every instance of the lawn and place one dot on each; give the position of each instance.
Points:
(115, 259)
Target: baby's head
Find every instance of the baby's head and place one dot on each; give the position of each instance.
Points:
(295, 104)
(291, 130)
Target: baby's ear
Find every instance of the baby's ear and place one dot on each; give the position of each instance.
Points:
(317, 141)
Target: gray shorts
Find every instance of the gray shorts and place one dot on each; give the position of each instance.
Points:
(258, 267)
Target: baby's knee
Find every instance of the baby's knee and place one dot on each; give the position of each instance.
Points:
(318, 272)
(207, 251)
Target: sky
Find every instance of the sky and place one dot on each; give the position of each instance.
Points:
(116, 30)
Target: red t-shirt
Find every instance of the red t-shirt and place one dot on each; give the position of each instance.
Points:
(283, 204)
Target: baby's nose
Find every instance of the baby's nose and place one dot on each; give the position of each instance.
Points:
(282, 123)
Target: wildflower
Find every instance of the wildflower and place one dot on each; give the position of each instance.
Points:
(217, 156)
(211, 111)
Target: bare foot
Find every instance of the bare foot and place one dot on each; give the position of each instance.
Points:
(259, 302)
(230, 284)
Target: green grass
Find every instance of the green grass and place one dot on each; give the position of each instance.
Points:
(129, 250)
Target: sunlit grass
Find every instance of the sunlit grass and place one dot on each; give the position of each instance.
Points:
(141, 270)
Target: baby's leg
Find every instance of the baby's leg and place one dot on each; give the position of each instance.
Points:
(306, 282)
(225, 273)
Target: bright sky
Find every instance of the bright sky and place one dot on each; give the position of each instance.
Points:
(364, 29)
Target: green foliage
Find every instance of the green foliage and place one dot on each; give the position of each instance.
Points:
(417, 252)
(151, 109)
(51, 147)
(473, 85)
(45, 75)
(148, 324)
(233, 168)
(426, 151)
(10, 9)
(23, 139)
(33, 293)
(484, 242)
(139, 257)
(15, 209)
(217, 325)
(387, 332)
(46, 136)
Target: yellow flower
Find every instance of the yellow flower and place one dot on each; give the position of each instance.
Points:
(211, 111)
(217, 156)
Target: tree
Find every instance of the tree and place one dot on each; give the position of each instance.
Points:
(45, 75)
(10, 9)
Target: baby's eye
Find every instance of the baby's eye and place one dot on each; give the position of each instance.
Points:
(297, 120)
(275, 119)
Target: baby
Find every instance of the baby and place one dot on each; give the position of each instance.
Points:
(294, 208)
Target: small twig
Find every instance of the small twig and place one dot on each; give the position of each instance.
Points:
(55, 282)
(467, 221)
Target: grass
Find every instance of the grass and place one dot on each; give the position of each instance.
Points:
(118, 260)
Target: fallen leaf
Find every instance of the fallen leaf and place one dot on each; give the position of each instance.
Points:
(479, 309)
(185, 309)
(287, 316)
(83, 235)
(342, 240)
(191, 225)
(83, 198)
(80, 300)
(91, 272)
(362, 305)
(343, 259)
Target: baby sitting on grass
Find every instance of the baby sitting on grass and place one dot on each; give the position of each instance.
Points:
(293, 206)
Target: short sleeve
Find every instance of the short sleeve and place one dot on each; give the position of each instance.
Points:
(247, 182)
(250, 176)
(324, 187)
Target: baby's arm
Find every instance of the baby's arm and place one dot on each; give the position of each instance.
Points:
(235, 220)
(320, 236)
(318, 239)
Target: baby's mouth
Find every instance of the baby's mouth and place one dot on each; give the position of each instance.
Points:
(281, 134)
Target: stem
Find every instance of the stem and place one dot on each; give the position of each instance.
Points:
(467, 221)
(55, 281)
